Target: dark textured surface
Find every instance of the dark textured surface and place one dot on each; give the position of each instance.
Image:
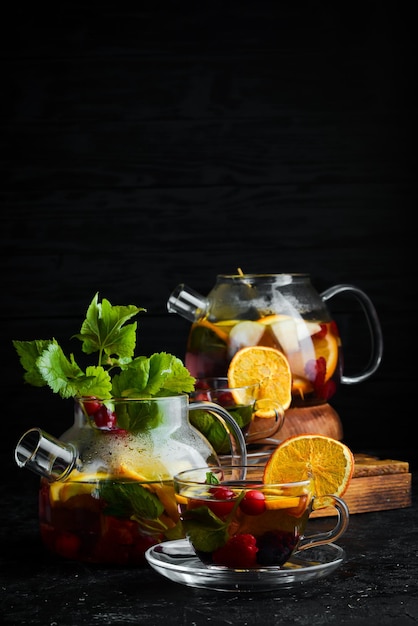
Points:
(376, 584)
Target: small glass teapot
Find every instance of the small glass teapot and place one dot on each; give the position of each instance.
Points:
(106, 491)
(283, 311)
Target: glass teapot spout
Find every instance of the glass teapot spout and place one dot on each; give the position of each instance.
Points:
(45, 455)
(188, 303)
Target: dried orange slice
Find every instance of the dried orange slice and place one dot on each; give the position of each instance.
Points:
(329, 463)
(267, 367)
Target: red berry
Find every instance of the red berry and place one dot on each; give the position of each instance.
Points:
(334, 328)
(316, 371)
(120, 531)
(321, 333)
(104, 418)
(253, 503)
(202, 392)
(67, 544)
(226, 504)
(91, 406)
(240, 551)
(226, 399)
(328, 390)
(201, 396)
(221, 493)
(202, 384)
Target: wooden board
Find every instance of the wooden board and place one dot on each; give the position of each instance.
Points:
(377, 485)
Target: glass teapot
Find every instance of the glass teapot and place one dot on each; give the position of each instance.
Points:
(106, 491)
(283, 311)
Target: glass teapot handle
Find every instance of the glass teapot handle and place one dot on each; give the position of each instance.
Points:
(374, 328)
(237, 441)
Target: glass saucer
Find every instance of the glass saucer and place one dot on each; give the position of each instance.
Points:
(177, 561)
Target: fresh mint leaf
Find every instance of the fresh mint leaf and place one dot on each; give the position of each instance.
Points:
(102, 329)
(168, 375)
(133, 380)
(207, 532)
(57, 370)
(96, 382)
(65, 377)
(212, 429)
(161, 374)
(29, 352)
(138, 416)
(117, 374)
(212, 479)
(130, 499)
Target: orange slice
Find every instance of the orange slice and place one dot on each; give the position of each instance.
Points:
(274, 317)
(218, 331)
(163, 490)
(301, 386)
(328, 348)
(284, 502)
(328, 463)
(267, 367)
(295, 505)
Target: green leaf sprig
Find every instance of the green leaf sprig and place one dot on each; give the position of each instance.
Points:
(117, 373)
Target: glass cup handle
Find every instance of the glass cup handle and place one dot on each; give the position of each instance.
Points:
(275, 413)
(318, 539)
(374, 329)
(265, 407)
(237, 441)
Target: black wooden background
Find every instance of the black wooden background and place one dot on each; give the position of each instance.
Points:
(170, 142)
